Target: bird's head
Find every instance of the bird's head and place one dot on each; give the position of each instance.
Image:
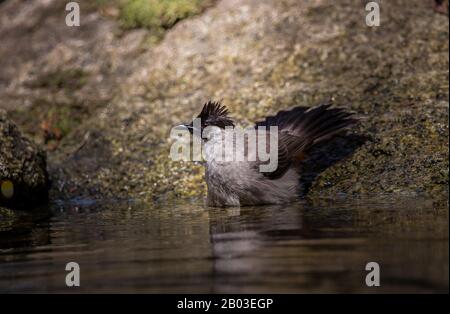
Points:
(213, 114)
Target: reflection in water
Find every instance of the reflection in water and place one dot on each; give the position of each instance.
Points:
(320, 246)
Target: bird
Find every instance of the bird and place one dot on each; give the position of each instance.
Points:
(235, 183)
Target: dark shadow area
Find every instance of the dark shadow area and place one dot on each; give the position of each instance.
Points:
(91, 154)
(326, 154)
(23, 229)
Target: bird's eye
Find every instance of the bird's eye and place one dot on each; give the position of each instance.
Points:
(206, 123)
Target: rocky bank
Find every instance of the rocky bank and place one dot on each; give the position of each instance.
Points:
(23, 170)
(257, 57)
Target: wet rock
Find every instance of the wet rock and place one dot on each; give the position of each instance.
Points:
(23, 173)
(260, 57)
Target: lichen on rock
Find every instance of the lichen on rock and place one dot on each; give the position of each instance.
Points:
(258, 57)
(23, 173)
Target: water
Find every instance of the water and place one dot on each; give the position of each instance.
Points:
(310, 246)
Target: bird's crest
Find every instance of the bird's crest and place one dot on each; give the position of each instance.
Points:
(214, 113)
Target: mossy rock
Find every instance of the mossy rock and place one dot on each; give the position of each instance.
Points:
(259, 59)
(158, 15)
(23, 173)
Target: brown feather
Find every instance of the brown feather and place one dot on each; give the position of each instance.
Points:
(300, 128)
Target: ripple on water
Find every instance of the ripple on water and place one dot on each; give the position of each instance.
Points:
(310, 246)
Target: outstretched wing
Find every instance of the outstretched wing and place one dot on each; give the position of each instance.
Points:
(302, 127)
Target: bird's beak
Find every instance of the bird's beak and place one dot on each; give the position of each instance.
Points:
(189, 127)
(184, 127)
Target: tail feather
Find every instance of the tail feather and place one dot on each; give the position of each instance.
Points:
(311, 124)
(302, 127)
(332, 131)
(321, 121)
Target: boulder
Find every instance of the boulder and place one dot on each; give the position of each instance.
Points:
(259, 58)
(116, 106)
(23, 173)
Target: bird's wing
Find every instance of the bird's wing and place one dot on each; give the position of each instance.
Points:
(285, 146)
(301, 128)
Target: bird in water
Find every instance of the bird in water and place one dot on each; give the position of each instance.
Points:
(241, 182)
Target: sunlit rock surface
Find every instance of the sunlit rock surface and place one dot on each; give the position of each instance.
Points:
(259, 57)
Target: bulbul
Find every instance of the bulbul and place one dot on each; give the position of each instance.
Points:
(241, 182)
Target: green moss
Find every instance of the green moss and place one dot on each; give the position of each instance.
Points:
(63, 119)
(61, 78)
(52, 121)
(157, 15)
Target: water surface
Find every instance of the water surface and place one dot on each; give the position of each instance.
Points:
(309, 246)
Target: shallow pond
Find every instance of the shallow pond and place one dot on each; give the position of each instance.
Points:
(310, 246)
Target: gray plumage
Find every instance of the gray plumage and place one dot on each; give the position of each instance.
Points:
(240, 183)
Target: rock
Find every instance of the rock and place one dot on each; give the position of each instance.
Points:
(23, 173)
(260, 57)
